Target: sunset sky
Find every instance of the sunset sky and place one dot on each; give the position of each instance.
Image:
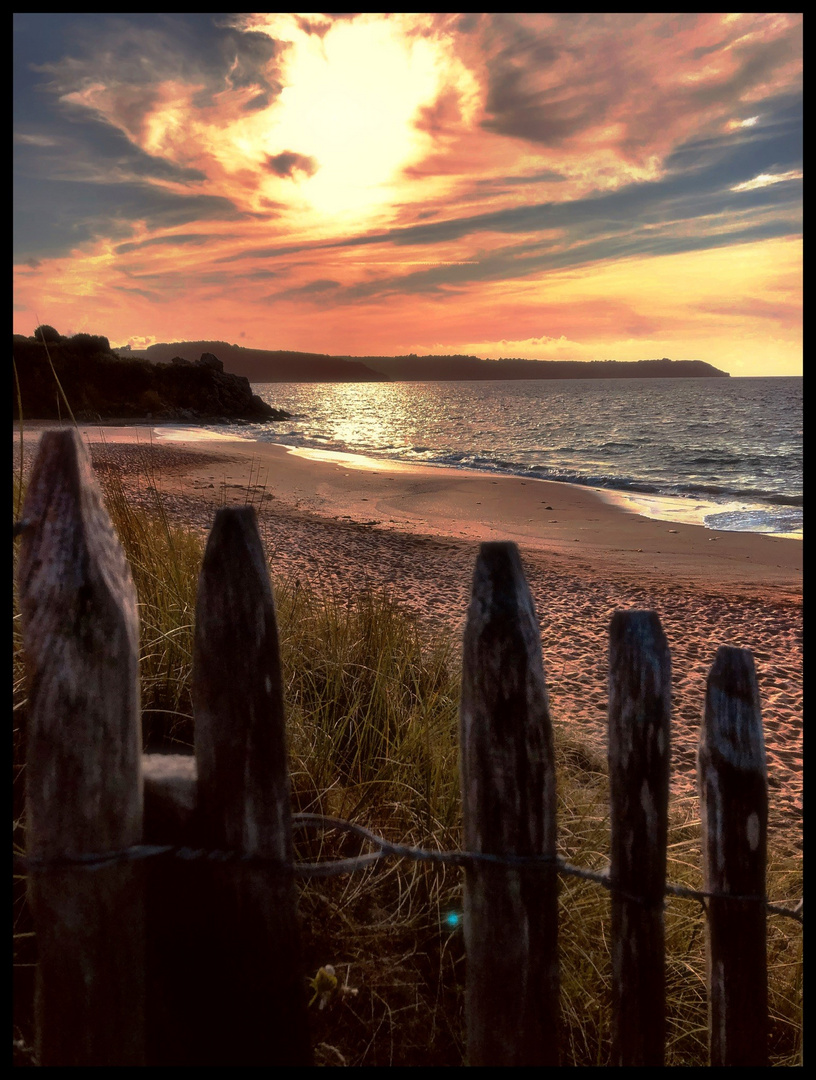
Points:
(564, 187)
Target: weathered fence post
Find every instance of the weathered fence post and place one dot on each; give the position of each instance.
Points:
(83, 767)
(734, 805)
(509, 800)
(258, 988)
(178, 919)
(639, 734)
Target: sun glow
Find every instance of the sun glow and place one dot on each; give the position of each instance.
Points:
(351, 102)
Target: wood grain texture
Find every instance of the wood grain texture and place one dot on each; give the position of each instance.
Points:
(508, 794)
(253, 950)
(83, 769)
(734, 808)
(639, 744)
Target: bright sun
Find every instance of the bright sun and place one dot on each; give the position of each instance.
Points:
(350, 102)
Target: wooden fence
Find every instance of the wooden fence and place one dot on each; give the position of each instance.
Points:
(168, 961)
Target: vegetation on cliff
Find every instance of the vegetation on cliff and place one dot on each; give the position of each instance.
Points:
(55, 375)
(268, 365)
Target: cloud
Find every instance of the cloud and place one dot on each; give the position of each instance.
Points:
(175, 240)
(767, 179)
(288, 163)
(146, 294)
(630, 86)
(49, 225)
(304, 292)
(137, 52)
(87, 91)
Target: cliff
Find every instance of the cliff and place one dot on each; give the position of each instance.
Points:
(98, 383)
(266, 365)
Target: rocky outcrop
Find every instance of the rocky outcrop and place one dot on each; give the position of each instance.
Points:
(97, 382)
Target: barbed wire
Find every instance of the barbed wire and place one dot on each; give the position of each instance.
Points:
(385, 849)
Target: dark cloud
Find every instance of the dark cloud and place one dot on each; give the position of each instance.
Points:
(519, 101)
(277, 251)
(318, 27)
(469, 22)
(142, 48)
(51, 219)
(548, 176)
(177, 240)
(77, 177)
(773, 143)
(146, 294)
(303, 292)
(756, 60)
(288, 163)
(92, 151)
(580, 72)
(445, 112)
(261, 275)
(506, 265)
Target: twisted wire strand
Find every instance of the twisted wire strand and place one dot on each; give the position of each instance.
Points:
(385, 849)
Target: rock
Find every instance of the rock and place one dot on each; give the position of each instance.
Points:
(208, 360)
(101, 384)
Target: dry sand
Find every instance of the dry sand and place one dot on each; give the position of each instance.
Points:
(352, 523)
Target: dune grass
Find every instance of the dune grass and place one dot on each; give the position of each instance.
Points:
(372, 704)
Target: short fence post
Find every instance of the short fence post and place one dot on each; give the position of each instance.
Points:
(509, 800)
(83, 769)
(639, 734)
(258, 991)
(734, 806)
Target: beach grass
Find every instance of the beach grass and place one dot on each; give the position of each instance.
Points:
(372, 702)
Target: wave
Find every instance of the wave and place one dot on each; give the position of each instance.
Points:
(486, 462)
(763, 521)
(616, 482)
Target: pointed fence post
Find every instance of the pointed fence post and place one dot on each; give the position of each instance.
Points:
(509, 800)
(734, 804)
(83, 767)
(255, 981)
(639, 734)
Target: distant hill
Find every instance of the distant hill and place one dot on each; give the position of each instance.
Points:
(265, 365)
(424, 368)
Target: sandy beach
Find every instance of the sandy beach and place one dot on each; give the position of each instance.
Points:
(350, 523)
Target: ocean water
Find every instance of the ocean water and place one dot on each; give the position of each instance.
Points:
(725, 453)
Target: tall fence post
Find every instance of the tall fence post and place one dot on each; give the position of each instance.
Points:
(639, 739)
(256, 978)
(734, 805)
(83, 766)
(509, 800)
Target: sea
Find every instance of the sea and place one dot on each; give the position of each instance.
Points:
(722, 453)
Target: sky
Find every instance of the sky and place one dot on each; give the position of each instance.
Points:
(552, 186)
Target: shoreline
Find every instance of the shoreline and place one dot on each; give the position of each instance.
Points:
(573, 524)
(414, 531)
